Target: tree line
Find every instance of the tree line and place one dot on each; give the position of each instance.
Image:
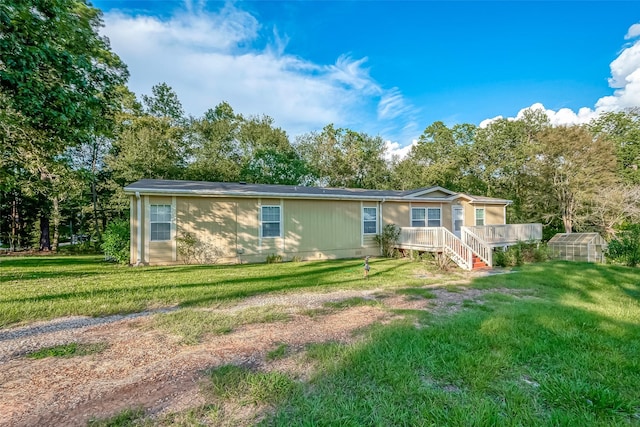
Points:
(73, 135)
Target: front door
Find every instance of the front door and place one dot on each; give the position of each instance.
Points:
(458, 219)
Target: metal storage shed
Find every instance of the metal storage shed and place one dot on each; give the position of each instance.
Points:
(590, 247)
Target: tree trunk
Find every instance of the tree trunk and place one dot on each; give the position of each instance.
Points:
(94, 192)
(15, 223)
(45, 244)
(56, 223)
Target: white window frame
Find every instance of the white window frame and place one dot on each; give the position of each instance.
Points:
(426, 221)
(263, 222)
(163, 220)
(483, 218)
(364, 220)
(429, 224)
(423, 220)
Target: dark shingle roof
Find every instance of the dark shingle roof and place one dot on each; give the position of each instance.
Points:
(164, 186)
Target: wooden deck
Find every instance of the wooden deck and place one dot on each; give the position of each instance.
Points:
(506, 234)
(474, 242)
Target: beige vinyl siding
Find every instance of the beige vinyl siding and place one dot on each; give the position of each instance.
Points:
(313, 226)
(469, 214)
(211, 221)
(446, 217)
(310, 229)
(248, 228)
(396, 213)
(493, 214)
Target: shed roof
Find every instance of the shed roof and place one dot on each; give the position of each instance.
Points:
(577, 238)
(239, 189)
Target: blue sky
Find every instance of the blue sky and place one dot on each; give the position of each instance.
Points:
(381, 67)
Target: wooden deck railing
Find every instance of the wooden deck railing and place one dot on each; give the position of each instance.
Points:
(506, 234)
(456, 249)
(479, 247)
(427, 237)
(474, 240)
(433, 239)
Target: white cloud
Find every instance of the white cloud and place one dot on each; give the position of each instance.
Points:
(394, 149)
(625, 79)
(392, 104)
(209, 57)
(634, 31)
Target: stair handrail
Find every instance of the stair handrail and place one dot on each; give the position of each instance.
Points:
(478, 246)
(462, 253)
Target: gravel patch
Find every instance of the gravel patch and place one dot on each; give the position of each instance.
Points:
(145, 367)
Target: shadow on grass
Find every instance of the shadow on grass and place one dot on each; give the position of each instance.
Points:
(142, 289)
(528, 361)
(562, 277)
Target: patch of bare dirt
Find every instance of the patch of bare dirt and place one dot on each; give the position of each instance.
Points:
(143, 367)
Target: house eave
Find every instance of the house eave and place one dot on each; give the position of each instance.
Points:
(255, 194)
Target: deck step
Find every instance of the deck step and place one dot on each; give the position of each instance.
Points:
(477, 263)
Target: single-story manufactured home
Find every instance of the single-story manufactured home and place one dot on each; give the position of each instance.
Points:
(244, 222)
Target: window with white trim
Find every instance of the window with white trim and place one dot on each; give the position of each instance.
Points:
(160, 221)
(434, 217)
(479, 216)
(369, 220)
(271, 221)
(418, 217)
(425, 217)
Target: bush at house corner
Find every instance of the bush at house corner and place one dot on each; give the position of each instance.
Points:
(115, 242)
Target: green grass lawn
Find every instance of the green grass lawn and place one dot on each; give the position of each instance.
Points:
(566, 354)
(565, 350)
(37, 288)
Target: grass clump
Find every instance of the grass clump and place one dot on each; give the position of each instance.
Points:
(193, 324)
(416, 292)
(351, 302)
(316, 312)
(129, 417)
(278, 352)
(274, 259)
(419, 317)
(68, 350)
(203, 415)
(244, 386)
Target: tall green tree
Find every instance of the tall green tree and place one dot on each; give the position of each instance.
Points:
(500, 161)
(213, 140)
(340, 157)
(147, 147)
(226, 146)
(441, 157)
(623, 129)
(163, 103)
(267, 155)
(569, 165)
(58, 83)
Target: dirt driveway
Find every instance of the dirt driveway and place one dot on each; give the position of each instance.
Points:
(145, 367)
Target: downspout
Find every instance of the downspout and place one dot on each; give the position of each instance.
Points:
(139, 220)
(381, 226)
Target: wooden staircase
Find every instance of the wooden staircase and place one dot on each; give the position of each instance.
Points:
(477, 263)
(469, 256)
